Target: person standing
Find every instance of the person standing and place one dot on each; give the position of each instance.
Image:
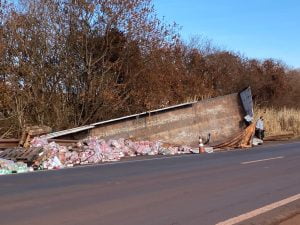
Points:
(259, 129)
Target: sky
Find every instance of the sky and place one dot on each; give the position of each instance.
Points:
(255, 28)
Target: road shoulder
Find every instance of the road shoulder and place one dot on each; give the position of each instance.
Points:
(285, 215)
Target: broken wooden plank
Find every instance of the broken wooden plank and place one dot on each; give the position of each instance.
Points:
(11, 153)
(280, 137)
(12, 143)
(29, 155)
(8, 143)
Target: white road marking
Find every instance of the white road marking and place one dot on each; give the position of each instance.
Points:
(262, 160)
(259, 211)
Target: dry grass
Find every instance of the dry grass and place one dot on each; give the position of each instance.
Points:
(280, 121)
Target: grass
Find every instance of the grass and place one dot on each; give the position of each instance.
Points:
(280, 121)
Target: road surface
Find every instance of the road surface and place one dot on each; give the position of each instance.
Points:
(184, 190)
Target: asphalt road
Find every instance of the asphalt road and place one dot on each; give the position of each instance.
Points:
(190, 189)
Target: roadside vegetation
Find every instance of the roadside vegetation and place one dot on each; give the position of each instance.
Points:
(67, 63)
(280, 121)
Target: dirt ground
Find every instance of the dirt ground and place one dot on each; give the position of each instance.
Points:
(293, 221)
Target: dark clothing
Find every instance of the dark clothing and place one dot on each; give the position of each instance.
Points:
(260, 134)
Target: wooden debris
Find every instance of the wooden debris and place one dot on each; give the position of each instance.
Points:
(21, 154)
(11, 153)
(9, 143)
(29, 155)
(31, 132)
(241, 140)
(280, 137)
(13, 143)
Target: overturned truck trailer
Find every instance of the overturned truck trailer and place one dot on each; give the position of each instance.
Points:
(222, 117)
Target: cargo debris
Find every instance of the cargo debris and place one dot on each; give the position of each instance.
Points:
(43, 155)
(176, 127)
(241, 140)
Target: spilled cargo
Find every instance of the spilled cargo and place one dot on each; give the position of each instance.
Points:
(50, 155)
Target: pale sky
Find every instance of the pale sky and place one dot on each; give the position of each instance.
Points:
(256, 28)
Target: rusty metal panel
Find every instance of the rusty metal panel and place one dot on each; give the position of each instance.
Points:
(181, 124)
(221, 116)
(67, 132)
